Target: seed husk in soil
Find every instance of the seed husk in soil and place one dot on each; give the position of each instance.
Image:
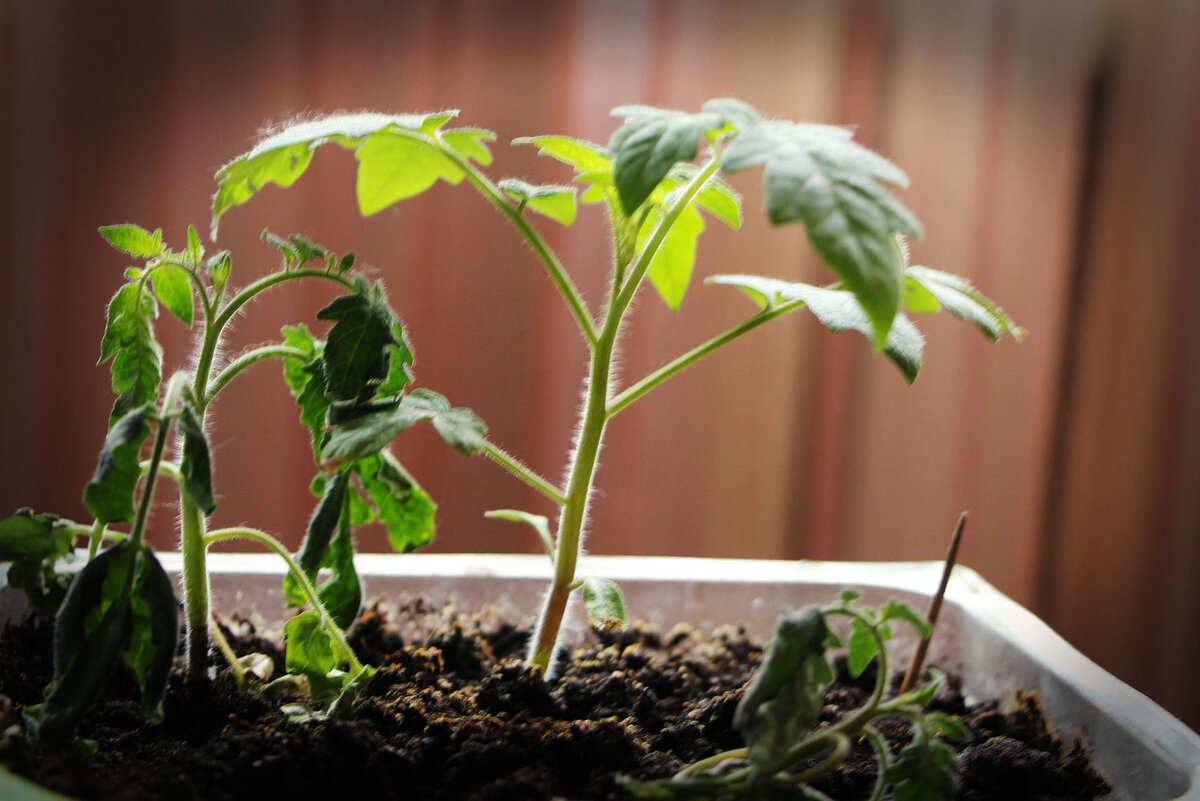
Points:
(453, 715)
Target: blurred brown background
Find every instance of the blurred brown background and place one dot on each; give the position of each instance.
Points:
(1053, 149)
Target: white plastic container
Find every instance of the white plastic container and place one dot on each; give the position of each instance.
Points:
(994, 644)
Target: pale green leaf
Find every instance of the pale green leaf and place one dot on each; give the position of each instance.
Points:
(961, 299)
(605, 603)
(393, 167)
(134, 240)
(551, 200)
(173, 287)
(470, 143)
(671, 268)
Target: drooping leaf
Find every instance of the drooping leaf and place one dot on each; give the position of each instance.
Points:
(650, 143)
(961, 299)
(111, 492)
(818, 175)
(357, 354)
(400, 361)
(153, 632)
(341, 592)
(136, 355)
(134, 240)
(605, 603)
(317, 537)
(310, 651)
(369, 433)
(551, 200)
(173, 288)
(838, 310)
(196, 462)
(88, 636)
(782, 700)
(305, 377)
(400, 503)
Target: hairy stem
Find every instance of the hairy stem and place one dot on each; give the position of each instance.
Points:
(514, 466)
(247, 359)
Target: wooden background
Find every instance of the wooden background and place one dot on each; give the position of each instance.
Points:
(1053, 152)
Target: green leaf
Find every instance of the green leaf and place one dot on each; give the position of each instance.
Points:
(861, 647)
(838, 310)
(37, 537)
(134, 240)
(136, 355)
(321, 527)
(88, 637)
(195, 249)
(343, 705)
(196, 462)
(925, 769)
(605, 603)
(283, 156)
(307, 250)
(394, 167)
(898, 610)
(110, 494)
(551, 200)
(470, 143)
(341, 593)
(783, 699)
(960, 298)
(153, 632)
(581, 154)
(539, 523)
(400, 503)
(737, 113)
(305, 377)
(357, 354)
(671, 268)
(310, 651)
(173, 287)
(369, 433)
(650, 143)
(817, 175)
(400, 356)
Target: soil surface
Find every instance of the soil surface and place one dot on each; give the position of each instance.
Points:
(453, 716)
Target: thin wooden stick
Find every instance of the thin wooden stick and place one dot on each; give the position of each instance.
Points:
(917, 663)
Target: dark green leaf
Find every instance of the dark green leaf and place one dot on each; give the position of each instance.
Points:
(44, 587)
(369, 433)
(345, 263)
(196, 463)
(153, 633)
(650, 143)
(357, 355)
(925, 769)
(321, 527)
(88, 636)
(306, 379)
(947, 725)
(134, 240)
(962, 300)
(110, 494)
(129, 341)
(554, 201)
(401, 504)
(605, 603)
(309, 651)
(173, 288)
(290, 256)
(838, 310)
(37, 537)
(400, 361)
(343, 705)
(818, 175)
(341, 593)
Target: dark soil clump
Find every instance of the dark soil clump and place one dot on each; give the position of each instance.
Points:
(454, 716)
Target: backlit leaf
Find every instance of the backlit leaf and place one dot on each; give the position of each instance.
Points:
(898, 610)
(400, 503)
(393, 167)
(136, 355)
(551, 200)
(605, 603)
(671, 268)
(838, 310)
(962, 300)
(317, 537)
(470, 143)
(861, 647)
(134, 240)
(173, 288)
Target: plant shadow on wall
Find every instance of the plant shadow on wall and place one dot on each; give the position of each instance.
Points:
(657, 180)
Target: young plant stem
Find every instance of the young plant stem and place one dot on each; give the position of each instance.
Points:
(515, 467)
(917, 663)
(594, 417)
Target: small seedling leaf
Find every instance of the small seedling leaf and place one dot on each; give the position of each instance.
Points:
(605, 603)
(470, 143)
(539, 523)
(136, 355)
(925, 769)
(173, 288)
(838, 310)
(650, 143)
(110, 494)
(196, 462)
(309, 651)
(195, 250)
(861, 647)
(818, 175)
(134, 240)
(400, 503)
(898, 610)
